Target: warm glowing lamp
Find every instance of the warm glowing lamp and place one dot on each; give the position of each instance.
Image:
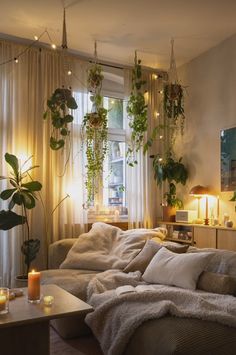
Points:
(199, 191)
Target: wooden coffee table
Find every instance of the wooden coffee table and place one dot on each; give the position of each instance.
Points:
(25, 329)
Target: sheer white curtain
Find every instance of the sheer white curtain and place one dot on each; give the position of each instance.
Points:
(24, 89)
(143, 197)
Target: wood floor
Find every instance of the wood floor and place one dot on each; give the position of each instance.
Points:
(86, 345)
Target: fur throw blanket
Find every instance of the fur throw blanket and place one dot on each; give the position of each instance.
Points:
(107, 247)
(115, 318)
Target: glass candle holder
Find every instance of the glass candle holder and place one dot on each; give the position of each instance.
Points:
(4, 300)
(48, 300)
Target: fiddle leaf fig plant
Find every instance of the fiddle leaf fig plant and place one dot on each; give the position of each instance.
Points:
(58, 106)
(174, 172)
(22, 193)
(137, 112)
(95, 131)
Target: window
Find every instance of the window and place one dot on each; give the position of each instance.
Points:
(110, 203)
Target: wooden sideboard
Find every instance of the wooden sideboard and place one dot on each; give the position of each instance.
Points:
(200, 235)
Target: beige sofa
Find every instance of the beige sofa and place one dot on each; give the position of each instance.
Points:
(168, 335)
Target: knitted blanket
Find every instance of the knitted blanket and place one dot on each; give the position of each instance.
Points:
(115, 318)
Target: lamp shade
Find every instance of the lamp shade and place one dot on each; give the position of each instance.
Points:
(199, 190)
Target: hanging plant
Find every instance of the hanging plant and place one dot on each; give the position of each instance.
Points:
(58, 106)
(95, 127)
(137, 112)
(173, 100)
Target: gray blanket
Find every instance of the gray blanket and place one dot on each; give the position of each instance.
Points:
(116, 317)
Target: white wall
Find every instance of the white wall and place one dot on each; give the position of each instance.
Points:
(210, 106)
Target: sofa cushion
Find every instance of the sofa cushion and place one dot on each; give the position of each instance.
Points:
(173, 269)
(151, 247)
(222, 261)
(107, 247)
(73, 281)
(217, 283)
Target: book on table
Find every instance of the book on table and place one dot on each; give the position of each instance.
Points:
(138, 289)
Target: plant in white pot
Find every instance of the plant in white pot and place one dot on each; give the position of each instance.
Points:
(22, 193)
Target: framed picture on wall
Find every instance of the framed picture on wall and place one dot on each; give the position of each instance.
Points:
(228, 159)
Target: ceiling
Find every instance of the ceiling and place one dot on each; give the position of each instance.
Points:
(123, 26)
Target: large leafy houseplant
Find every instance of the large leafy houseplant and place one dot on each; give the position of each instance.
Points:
(58, 106)
(22, 193)
(137, 113)
(174, 172)
(95, 128)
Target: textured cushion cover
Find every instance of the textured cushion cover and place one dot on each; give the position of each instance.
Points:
(217, 283)
(141, 261)
(173, 269)
(170, 335)
(151, 247)
(222, 261)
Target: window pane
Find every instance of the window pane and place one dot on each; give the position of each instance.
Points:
(115, 113)
(114, 177)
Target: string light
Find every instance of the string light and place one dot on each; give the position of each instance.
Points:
(158, 114)
(160, 92)
(160, 159)
(36, 39)
(154, 76)
(161, 137)
(69, 72)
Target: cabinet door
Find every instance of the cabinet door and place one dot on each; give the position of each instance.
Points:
(226, 239)
(204, 237)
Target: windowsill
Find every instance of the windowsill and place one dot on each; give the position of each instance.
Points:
(122, 225)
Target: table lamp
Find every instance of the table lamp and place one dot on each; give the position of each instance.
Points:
(200, 191)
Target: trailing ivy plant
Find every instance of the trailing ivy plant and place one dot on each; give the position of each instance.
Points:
(23, 193)
(58, 106)
(137, 112)
(95, 127)
(174, 172)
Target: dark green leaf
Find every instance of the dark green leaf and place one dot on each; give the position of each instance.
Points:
(13, 162)
(71, 103)
(29, 249)
(29, 200)
(6, 194)
(9, 219)
(68, 118)
(33, 185)
(18, 199)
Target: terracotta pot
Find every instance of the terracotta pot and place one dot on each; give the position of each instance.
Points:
(169, 213)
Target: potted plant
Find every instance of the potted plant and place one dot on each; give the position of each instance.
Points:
(58, 106)
(95, 128)
(233, 198)
(137, 112)
(22, 193)
(174, 172)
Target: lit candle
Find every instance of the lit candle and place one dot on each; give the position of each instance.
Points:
(48, 300)
(34, 286)
(3, 301)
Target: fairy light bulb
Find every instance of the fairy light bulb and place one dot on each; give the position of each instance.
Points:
(160, 91)
(69, 72)
(36, 38)
(16, 60)
(158, 114)
(53, 46)
(160, 159)
(154, 76)
(161, 137)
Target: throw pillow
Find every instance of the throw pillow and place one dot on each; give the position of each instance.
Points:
(151, 247)
(217, 283)
(172, 269)
(141, 261)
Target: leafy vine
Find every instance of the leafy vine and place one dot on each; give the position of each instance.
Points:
(137, 112)
(95, 127)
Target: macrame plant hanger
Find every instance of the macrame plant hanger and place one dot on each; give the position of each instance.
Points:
(65, 60)
(172, 74)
